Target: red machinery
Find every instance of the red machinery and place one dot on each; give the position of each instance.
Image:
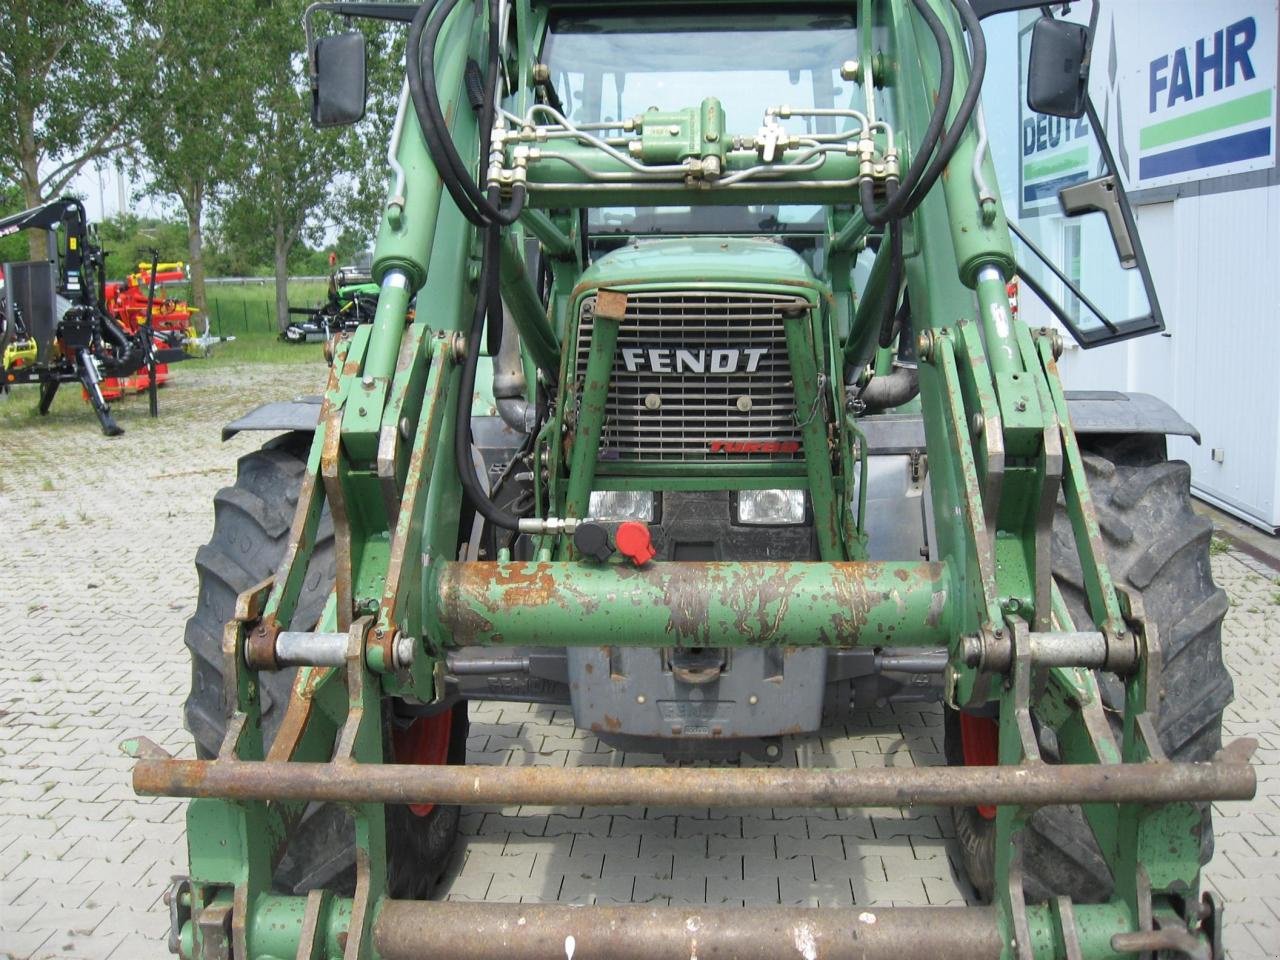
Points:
(127, 301)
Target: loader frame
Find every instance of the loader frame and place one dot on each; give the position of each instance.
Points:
(1000, 446)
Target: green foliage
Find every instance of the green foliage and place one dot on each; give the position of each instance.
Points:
(71, 77)
(199, 92)
(12, 247)
(128, 241)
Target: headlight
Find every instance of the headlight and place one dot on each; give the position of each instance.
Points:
(621, 505)
(771, 507)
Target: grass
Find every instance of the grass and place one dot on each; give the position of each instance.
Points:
(247, 312)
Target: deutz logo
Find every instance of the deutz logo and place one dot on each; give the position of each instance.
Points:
(671, 360)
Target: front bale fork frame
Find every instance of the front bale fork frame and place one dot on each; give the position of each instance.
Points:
(1000, 448)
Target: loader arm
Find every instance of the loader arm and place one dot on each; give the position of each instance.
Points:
(389, 460)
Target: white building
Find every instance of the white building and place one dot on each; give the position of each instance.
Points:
(1186, 91)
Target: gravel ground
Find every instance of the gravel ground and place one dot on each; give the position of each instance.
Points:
(96, 580)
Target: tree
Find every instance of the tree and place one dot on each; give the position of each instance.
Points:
(288, 178)
(199, 91)
(69, 74)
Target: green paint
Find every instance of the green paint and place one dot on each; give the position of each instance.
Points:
(990, 399)
(746, 604)
(1076, 159)
(1246, 109)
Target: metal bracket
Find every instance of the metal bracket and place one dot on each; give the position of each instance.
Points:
(178, 899)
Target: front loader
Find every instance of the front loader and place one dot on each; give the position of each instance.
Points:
(763, 443)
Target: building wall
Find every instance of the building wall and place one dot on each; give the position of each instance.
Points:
(1187, 94)
(1215, 261)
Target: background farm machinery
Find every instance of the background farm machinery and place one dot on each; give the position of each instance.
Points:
(62, 322)
(734, 489)
(352, 299)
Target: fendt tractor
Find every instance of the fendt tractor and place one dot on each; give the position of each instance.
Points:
(770, 447)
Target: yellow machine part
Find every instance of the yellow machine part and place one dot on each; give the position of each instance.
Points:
(20, 353)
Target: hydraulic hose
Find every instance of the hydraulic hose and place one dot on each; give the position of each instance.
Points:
(424, 33)
(896, 205)
(488, 300)
(925, 167)
(893, 286)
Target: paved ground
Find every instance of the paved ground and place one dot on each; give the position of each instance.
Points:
(92, 653)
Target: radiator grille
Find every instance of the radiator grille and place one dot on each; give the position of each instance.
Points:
(678, 414)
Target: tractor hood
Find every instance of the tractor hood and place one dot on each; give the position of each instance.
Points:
(703, 262)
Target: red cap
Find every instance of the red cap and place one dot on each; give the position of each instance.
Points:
(634, 542)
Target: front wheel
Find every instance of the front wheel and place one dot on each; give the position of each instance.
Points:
(1157, 546)
(250, 532)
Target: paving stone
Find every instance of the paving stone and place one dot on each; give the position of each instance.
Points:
(84, 857)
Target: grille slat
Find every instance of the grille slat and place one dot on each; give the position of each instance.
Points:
(698, 408)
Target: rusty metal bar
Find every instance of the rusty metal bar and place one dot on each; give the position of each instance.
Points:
(697, 604)
(408, 930)
(699, 787)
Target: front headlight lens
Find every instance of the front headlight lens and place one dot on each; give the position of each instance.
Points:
(622, 505)
(771, 507)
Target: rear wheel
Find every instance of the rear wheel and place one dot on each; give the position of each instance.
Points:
(1158, 547)
(250, 532)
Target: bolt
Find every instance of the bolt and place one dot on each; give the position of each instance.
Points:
(541, 73)
(640, 698)
(368, 382)
(744, 404)
(977, 424)
(924, 345)
(753, 700)
(674, 130)
(402, 651)
(972, 651)
(772, 750)
(406, 428)
(1020, 406)
(851, 70)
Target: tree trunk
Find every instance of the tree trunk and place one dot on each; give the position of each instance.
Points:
(29, 176)
(193, 203)
(282, 280)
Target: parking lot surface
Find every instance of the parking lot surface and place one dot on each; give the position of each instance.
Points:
(96, 581)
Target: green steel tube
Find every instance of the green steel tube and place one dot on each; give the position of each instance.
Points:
(405, 237)
(715, 604)
(388, 325)
(863, 337)
(556, 242)
(851, 232)
(979, 239)
(997, 322)
(810, 407)
(591, 414)
(528, 313)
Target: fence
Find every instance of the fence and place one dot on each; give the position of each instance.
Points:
(231, 316)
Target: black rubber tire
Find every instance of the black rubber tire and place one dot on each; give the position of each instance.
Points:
(250, 532)
(1159, 547)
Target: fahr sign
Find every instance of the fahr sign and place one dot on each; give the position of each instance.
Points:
(1210, 97)
(1186, 91)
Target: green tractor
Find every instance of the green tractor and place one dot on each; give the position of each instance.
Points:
(764, 441)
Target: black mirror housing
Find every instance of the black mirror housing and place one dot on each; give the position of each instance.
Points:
(1057, 74)
(339, 81)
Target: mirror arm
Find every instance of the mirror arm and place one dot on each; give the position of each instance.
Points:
(393, 12)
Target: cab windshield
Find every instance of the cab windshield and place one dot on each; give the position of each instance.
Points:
(609, 67)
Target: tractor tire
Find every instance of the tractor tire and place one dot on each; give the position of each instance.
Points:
(1159, 548)
(250, 533)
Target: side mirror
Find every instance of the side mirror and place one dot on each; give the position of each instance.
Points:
(1058, 71)
(339, 83)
